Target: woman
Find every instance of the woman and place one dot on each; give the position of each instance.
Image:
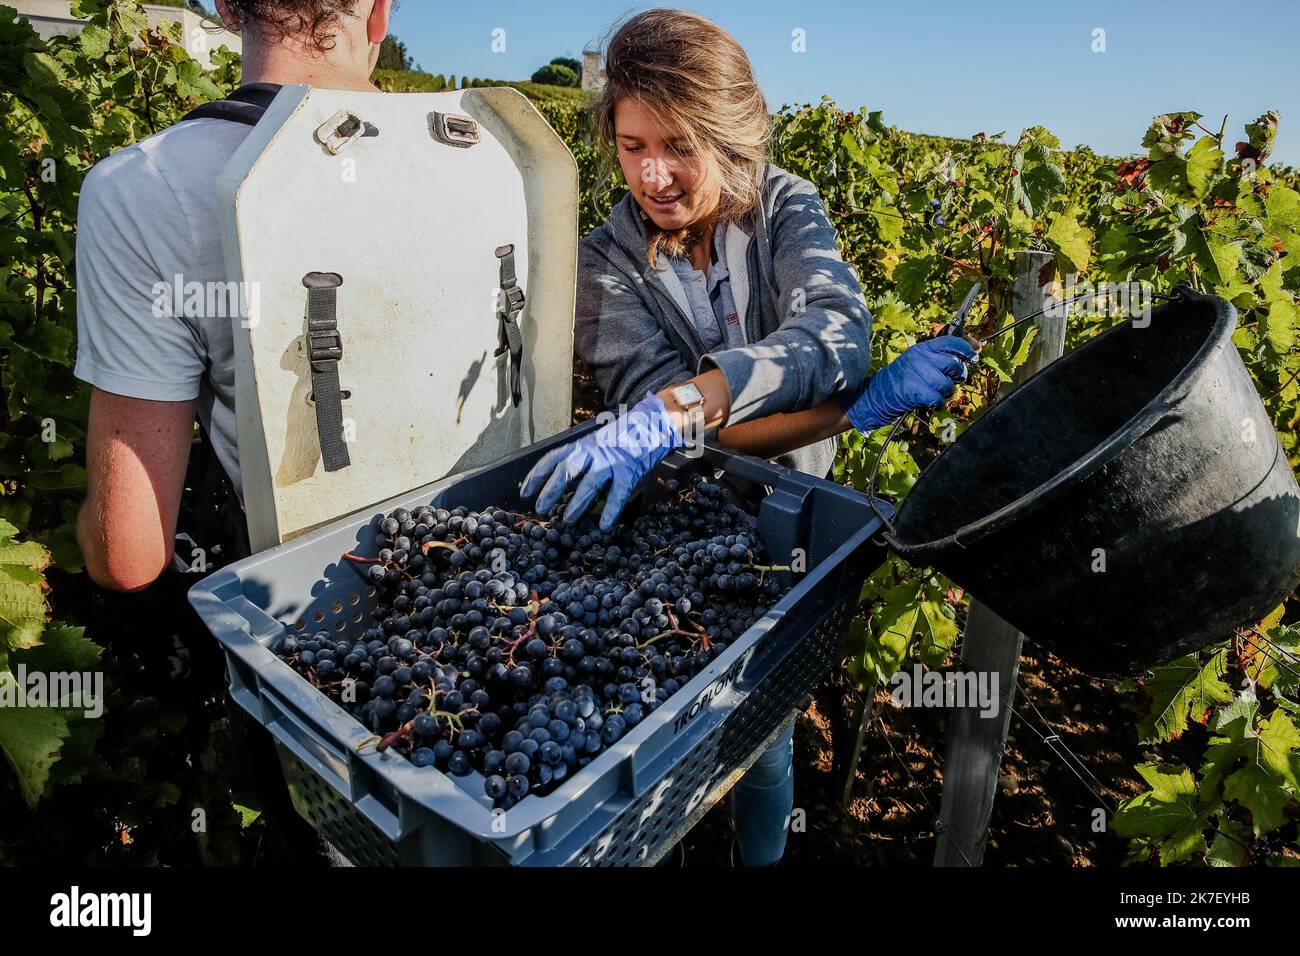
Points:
(715, 296)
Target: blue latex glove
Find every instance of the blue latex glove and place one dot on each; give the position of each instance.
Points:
(619, 454)
(923, 376)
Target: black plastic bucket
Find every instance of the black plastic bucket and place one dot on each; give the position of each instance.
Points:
(1124, 505)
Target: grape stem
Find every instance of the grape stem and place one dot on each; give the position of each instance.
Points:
(405, 731)
(535, 605)
(762, 569)
(701, 637)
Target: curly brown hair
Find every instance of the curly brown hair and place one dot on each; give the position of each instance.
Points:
(317, 19)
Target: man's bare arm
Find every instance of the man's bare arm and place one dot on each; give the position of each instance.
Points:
(136, 454)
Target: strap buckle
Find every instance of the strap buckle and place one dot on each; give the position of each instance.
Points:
(324, 345)
(513, 302)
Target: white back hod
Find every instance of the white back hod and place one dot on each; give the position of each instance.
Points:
(411, 223)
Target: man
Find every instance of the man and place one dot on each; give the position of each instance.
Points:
(146, 221)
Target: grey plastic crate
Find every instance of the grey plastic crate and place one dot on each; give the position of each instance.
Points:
(379, 809)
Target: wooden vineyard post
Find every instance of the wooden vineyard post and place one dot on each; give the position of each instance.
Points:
(991, 645)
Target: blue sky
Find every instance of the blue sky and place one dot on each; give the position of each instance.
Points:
(937, 66)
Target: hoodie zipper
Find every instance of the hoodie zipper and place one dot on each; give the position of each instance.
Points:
(755, 282)
(685, 327)
(687, 324)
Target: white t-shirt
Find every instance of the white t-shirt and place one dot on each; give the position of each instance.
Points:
(148, 241)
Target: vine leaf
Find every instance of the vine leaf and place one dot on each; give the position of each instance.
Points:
(1038, 181)
(26, 554)
(30, 738)
(1282, 207)
(888, 224)
(1071, 239)
(941, 630)
(1204, 163)
(1229, 845)
(1235, 741)
(895, 624)
(1281, 675)
(1224, 258)
(94, 40)
(1167, 812)
(1260, 136)
(1279, 323)
(1185, 842)
(1257, 790)
(1168, 132)
(911, 277)
(1004, 355)
(1279, 749)
(62, 648)
(1174, 689)
(1273, 619)
(23, 608)
(1244, 708)
(1268, 777)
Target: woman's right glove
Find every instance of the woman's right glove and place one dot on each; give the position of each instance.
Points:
(615, 457)
(923, 376)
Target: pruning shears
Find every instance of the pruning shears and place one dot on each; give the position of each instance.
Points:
(958, 324)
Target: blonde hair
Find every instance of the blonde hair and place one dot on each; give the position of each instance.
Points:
(691, 76)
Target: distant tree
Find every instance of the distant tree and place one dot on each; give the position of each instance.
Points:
(555, 74)
(439, 82)
(392, 55)
(464, 82)
(570, 62)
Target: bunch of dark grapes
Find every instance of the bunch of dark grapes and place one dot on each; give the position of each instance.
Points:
(521, 646)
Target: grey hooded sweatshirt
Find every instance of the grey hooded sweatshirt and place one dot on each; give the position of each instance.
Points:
(806, 324)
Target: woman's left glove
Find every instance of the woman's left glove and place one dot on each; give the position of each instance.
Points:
(923, 376)
(619, 454)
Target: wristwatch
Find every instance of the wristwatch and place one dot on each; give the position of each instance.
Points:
(691, 400)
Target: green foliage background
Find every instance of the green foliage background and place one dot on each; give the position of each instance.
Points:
(919, 217)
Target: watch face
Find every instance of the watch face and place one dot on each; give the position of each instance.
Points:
(688, 395)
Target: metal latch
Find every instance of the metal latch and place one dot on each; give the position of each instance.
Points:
(340, 130)
(454, 129)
